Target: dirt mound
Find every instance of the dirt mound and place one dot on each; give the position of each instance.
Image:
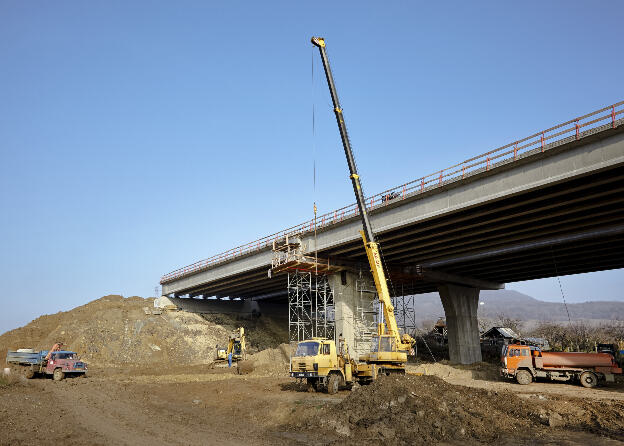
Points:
(427, 410)
(261, 333)
(116, 331)
(273, 361)
(446, 371)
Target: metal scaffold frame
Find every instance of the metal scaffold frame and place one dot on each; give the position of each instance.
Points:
(311, 310)
(405, 314)
(365, 315)
(403, 310)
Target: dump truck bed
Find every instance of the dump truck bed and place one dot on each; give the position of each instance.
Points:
(26, 357)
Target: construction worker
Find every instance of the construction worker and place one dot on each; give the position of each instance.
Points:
(57, 347)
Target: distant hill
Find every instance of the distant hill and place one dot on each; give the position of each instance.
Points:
(516, 305)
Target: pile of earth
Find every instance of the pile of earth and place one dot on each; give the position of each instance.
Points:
(456, 372)
(260, 332)
(116, 331)
(427, 410)
(272, 361)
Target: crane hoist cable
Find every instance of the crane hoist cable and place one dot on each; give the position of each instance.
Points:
(552, 253)
(314, 168)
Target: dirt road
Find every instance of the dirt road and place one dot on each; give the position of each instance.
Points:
(143, 409)
(195, 406)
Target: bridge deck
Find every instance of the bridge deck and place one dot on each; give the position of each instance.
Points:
(562, 182)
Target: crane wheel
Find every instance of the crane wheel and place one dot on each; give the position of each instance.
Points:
(589, 380)
(58, 374)
(524, 377)
(333, 383)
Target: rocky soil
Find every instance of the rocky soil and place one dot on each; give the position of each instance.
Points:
(426, 410)
(115, 331)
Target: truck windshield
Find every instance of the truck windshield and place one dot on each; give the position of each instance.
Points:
(64, 356)
(381, 344)
(385, 344)
(307, 349)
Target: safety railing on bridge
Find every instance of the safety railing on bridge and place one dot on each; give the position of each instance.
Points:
(568, 131)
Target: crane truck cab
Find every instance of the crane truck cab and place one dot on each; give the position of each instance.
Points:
(386, 355)
(322, 365)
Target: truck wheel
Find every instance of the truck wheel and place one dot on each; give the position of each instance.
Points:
(589, 380)
(333, 383)
(58, 374)
(524, 377)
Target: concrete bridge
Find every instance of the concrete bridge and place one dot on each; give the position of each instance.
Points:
(547, 205)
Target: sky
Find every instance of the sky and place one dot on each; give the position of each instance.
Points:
(139, 137)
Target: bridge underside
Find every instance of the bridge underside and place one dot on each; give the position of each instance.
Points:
(572, 227)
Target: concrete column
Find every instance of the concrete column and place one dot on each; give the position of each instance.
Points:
(460, 306)
(353, 325)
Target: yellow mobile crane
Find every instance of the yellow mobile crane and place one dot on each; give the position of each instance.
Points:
(389, 349)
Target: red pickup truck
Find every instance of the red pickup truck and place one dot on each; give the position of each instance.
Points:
(60, 363)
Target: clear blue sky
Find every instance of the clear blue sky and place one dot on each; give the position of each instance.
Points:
(138, 137)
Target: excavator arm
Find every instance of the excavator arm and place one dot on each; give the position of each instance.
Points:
(370, 244)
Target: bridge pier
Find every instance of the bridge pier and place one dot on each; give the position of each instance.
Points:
(354, 315)
(460, 307)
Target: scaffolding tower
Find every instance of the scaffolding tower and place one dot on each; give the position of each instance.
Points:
(365, 316)
(405, 314)
(311, 310)
(404, 311)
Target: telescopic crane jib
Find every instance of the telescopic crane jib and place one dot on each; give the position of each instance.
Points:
(391, 330)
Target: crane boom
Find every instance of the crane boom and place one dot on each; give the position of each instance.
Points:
(346, 144)
(370, 244)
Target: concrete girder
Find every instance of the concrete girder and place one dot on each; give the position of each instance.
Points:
(491, 242)
(495, 226)
(441, 277)
(549, 169)
(228, 285)
(532, 263)
(613, 230)
(517, 217)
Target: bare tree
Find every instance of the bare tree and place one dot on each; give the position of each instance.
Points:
(579, 336)
(509, 322)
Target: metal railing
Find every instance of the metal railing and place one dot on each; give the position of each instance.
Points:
(568, 131)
